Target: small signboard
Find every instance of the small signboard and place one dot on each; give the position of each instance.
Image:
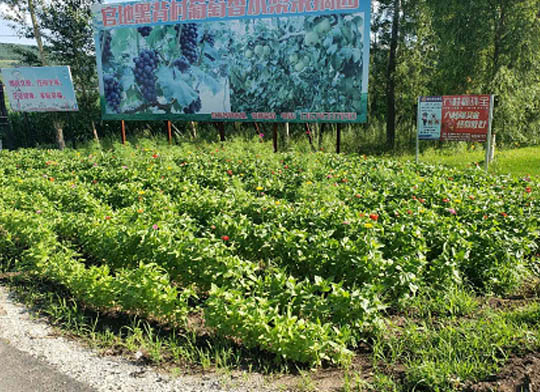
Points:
(40, 89)
(454, 117)
(464, 118)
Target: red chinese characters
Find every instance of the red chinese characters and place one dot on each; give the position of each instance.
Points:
(465, 118)
(164, 11)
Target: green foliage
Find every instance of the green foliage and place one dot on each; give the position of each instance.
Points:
(294, 254)
(441, 357)
(306, 64)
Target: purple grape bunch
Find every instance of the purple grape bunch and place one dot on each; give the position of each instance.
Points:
(145, 65)
(144, 31)
(106, 39)
(182, 64)
(194, 106)
(113, 92)
(188, 41)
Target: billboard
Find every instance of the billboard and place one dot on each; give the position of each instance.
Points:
(40, 89)
(454, 117)
(234, 60)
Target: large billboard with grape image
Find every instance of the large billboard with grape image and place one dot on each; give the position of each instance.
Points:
(237, 60)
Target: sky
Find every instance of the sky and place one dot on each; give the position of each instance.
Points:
(8, 35)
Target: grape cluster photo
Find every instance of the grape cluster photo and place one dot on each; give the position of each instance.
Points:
(293, 64)
(170, 69)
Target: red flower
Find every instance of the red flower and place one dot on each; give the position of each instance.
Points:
(225, 237)
(504, 214)
(422, 200)
(229, 172)
(409, 212)
(374, 217)
(213, 227)
(446, 200)
(155, 156)
(358, 195)
(286, 166)
(528, 189)
(107, 218)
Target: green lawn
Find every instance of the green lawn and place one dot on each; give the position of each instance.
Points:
(517, 162)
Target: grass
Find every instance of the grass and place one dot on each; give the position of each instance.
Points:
(517, 162)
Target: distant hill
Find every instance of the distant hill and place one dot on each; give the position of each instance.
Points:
(11, 55)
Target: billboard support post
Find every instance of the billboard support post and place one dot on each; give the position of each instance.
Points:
(123, 132)
(169, 131)
(274, 137)
(221, 128)
(338, 141)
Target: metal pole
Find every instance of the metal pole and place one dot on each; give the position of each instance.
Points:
(417, 132)
(488, 147)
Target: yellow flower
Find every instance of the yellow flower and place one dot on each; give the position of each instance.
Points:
(368, 225)
(309, 183)
(278, 203)
(422, 179)
(259, 188)
(457, 201)
(141, 192)
(169, 168)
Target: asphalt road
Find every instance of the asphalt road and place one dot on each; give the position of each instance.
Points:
(20, 372)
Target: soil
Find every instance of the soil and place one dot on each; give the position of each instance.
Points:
(519, 375)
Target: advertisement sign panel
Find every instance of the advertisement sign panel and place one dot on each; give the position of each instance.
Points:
(234, 60)
(40, 89)
(454, 118)
(429, 118)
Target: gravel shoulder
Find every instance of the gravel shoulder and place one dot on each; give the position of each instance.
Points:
(32, 344)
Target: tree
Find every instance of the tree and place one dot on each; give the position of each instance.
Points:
(493, 46)
(403, 50)
(70, 41)
(390, 77)
(19, 10)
